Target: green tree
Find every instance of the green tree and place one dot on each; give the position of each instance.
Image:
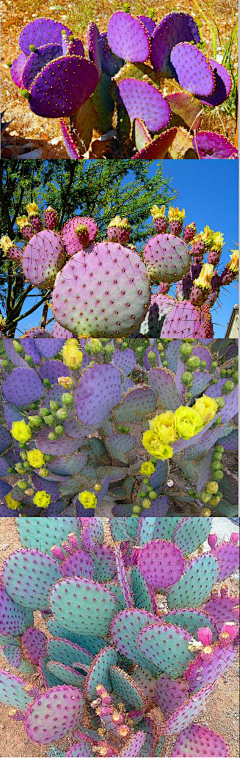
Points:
(102, 189)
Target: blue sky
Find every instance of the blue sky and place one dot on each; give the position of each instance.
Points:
(208, 190)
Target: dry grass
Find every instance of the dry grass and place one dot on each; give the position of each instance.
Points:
(46, 133)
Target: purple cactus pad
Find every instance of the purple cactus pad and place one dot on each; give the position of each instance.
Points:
(69, 236)
(158, 148)
(37, 60)
(184, 320)
(192, 70)
(23, 387)
(17, 69)
(161, 564)
(123, 29)
(167, 257)
(40, 32)
(144, 101)
(42, 258)
(206, 669)
(209, 145)
(34, 644)
(223, 85)
(63, 86)
(198, 740)
(170, 694)
(42, 723)
(174, 28)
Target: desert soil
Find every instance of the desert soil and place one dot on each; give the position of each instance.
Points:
(221, 716)
(29, 132)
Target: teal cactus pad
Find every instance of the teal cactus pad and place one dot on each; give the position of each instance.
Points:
(28, 576)
(66, 674)
(186, 713)
(191, 533)
(12, 654)
(104, 563)
(68, 653)
(96, 529)
(143, 598)
(46, 532)
(119, 530)
(199, 740)
(136, 404)
(124, 632)
(12, 691)
(13, 618)
(164, 528)
(146, 528)
(29, 387)
(90, 644)
(160, 747)
(119, 445)
(42, 723)
(127, 691)
(77, 603)
(133, 746)
(49, 679)
(131, 527)
(166, 646)
(170, 694)
(195, 585)
(7, 639)
(99, 672)
(162, 382)
(161, 564)
(122, 577)
(119, 596)
(191, 620)
(78, 563)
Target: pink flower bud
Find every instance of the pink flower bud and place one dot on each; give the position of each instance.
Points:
(205, 635)
(67, 547)
(72, 538)
(212, 540)
(234, 537)
(57, 552)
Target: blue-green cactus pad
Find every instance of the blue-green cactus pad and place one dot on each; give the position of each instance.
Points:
(12, 654)
(119, 596)
(171, 354)
(127, 691)
(68, 653)
(104, 563)
(12, 691)
(195, 584)
(124, 631)
(42, 722)
(13, 618)
(146, 683)
(191, 620)
(99, 672)
(141, 593)
(83, 605)
(28, 576)
(66, 674)
(43, 533)
(191, 533)
(166, 646)
(119, 445)
(91, 644)
(160, 747)
(135, 406)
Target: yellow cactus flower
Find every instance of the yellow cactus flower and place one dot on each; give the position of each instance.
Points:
(155, 447)
(5, 243)
(174, 214)
(35, 458)
(72, 356)
(42, 499)
(22, 221)
(21, 431)
(188, 422)
(212, 487)
(87, 499)
(163, 427)
(157, 212)
(32, 209)
(206, 407)
(11, 503)
(233, 264)
(122, 223)
(205, 277)
(66, 382)
(147, 468)
(212, 240)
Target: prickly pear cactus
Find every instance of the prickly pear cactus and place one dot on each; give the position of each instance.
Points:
(118, 673)
(93, 423)
(119, 75)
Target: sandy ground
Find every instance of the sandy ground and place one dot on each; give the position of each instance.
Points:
(222, 715)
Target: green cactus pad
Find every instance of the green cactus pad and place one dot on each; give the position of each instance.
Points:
(124, 631)
(42, 534)
(166, 646)
(99, 672)
(195, 585)
(66, 674)
(141, 592)
(12, 691)
(191, 533)
(42, 723)
(128, 692)
(136, 405)
(78, 603)
(28, 576)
